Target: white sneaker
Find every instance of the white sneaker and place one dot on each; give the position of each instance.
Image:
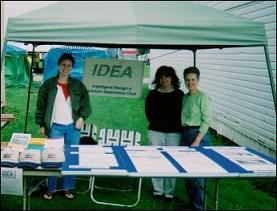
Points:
(157, 193)
(168, 196)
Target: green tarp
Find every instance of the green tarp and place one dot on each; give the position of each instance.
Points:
(158, 24)
(16, 67)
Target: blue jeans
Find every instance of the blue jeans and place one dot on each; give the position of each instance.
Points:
(164, 185)
(71, 135)
(195, 187)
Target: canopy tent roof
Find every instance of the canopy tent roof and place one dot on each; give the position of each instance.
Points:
(137, 24)
(164, 24)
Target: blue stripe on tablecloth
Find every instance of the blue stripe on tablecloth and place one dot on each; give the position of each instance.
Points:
(272, 160)
(72, 159)
(123, 159)
(174, 162)
(224, 162)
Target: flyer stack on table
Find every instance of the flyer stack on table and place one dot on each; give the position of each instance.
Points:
(26, 152)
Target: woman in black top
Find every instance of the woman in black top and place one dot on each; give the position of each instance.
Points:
(163, 111)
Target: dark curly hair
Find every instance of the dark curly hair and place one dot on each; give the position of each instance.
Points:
(168, 72)
(65, 56)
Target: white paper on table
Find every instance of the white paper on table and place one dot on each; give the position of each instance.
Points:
(20, 138)
(177, 148)
(259, 168)
(144, 153)
(254, 163)
(92, 165)
(247, 160)
(154, 167)
(54, 142)
(97, 160)
(89, 149)
(150, 161)
(224, 148)
(196, 162)
(19, 141)
(141, 148)
(18, 147)
(233, 151)
(11, 181)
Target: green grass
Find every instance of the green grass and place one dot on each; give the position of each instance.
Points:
(234, 194)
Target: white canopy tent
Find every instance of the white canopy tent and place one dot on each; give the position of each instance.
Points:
(156, 25)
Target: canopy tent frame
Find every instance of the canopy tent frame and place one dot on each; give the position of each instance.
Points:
(207, 32)
(29, 87)
(35, 44)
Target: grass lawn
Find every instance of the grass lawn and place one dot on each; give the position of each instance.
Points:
(123, 113)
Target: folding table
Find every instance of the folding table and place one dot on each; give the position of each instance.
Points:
(166, 161)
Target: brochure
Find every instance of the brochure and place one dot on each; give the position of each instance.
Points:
(19, 141)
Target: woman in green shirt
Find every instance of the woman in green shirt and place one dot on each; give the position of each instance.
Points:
(196, 120)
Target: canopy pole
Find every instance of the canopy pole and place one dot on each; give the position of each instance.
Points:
(194, 57)
(3, 53)
(29, 89)
(269, 69)
(3, 90)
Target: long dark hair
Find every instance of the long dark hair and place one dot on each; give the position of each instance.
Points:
(168, 72)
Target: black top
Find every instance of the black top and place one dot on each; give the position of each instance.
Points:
(163, 110)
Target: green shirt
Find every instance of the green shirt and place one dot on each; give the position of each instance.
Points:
(196, 111)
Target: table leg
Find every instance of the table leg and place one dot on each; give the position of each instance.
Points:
(25, 193)
(115, 204)
(205, 194)
(216, 194)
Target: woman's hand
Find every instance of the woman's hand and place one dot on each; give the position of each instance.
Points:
(196, 143)
(42, 131)
(79, 123)
(197, 140)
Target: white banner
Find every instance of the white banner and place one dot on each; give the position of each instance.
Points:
(115, 78)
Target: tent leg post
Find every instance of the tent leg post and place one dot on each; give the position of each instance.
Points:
(269, 69)
(216, 194)
(3, 53)
(29, 89)
(194, 57)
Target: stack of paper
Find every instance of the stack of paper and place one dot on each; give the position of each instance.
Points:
(19, 141)
(54, 142)
(36, 143)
